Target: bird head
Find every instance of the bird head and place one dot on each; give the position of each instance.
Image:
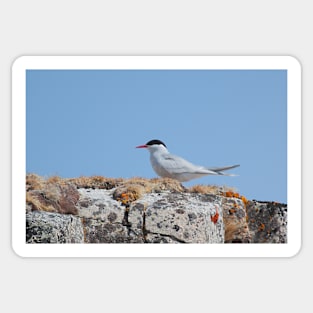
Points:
(154, 145)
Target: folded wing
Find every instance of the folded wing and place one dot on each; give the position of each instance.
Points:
(179, 165)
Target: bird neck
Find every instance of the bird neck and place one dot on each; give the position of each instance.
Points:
(158, 150)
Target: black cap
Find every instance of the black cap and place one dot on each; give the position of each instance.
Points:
(155, 142)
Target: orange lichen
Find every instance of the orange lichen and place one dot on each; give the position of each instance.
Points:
(244, 200)
(228, 194)
(215, 217)
(124, 198)
(261, 227)
(231, 194)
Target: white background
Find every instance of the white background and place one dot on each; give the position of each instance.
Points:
(154, 28)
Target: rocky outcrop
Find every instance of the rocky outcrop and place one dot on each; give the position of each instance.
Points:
(102, 210)
(267, 222)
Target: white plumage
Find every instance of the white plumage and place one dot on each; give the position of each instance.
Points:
(172, 166)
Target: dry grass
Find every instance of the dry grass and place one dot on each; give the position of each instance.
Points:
(36, 204)
(95, 182)
(148, 185)
(52, 195)
(235, 231)
(34, 182)
(132, 189)
(205, 189)
(161, 184)
(56, 194)
(212, 189)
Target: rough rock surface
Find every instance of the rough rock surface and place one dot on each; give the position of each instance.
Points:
(156, 218)
(106, 219)
(178, 218)
(138, 212)
(267, 222)
(236, 221)
(48, 227)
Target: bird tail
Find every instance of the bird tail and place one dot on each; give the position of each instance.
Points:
(219, 170)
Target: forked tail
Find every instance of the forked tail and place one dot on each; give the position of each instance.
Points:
(219, 170)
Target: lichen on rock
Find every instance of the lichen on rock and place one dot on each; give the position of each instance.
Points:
(107, 210)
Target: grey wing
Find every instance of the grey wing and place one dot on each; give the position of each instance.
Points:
(178, 165)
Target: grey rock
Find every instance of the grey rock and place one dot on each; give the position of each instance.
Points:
(105, 220)
(98, 204)
(46, 227)
(235, 221)
(267, 222)
(180, 218)
(124, 214)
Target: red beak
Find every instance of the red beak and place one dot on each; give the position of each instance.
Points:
(142, 146)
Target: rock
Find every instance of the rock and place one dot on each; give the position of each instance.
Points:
(267, 222)
(47, 227)
(52, 195)
(235, 220)
(102, 210)
(105, 219)
(155, 218)
(180, 218)
(163, 217)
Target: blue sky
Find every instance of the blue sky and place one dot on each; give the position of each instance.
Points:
(88, 122)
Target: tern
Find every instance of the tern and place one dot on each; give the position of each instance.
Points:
(166, 164)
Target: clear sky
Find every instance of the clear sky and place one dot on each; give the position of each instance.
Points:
(88, 122)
